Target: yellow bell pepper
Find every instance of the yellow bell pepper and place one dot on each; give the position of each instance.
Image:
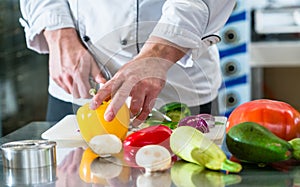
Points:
(92, 123)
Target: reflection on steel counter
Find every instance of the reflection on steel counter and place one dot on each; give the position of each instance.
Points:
(30, 176)
(74, 168)
(113, 171)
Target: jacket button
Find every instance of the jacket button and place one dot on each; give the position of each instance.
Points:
(124, 42)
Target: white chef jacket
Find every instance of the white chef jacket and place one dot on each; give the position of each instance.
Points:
(117, 29)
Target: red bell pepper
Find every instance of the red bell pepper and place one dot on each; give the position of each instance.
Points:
(153, 135)
(279, 117)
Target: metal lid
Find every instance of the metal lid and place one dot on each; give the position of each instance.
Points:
(29, 153)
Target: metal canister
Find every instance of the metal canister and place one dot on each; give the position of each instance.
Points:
(29, 162)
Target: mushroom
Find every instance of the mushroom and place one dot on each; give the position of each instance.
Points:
(153, 158)
(105, 145)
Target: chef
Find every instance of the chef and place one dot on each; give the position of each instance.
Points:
(152, 51)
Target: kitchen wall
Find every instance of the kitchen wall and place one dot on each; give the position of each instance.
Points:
(275, 57)
(23, 74)
(273, 3)
(283, 84)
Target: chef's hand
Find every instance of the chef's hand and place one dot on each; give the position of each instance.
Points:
(142, 78)
(70, 63)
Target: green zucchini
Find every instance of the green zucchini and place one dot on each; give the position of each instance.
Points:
(191, 145)
(296, 148)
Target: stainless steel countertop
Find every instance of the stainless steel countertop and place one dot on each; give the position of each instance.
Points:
(69, 160)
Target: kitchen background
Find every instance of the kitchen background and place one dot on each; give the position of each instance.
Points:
(270, 61)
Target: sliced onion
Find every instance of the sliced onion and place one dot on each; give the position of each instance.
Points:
(196, 122)
(210, 119)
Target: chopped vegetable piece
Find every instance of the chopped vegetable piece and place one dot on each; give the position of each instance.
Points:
(191, 145)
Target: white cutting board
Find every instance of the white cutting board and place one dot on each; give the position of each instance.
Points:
(66, 131)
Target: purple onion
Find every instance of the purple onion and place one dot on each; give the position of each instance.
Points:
(210, 119)
(196, 122)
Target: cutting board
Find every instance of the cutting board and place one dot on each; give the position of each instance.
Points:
(66, 132)
(65, 129)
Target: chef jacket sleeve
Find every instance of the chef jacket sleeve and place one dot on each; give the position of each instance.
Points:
(39, 15)
(192, 24)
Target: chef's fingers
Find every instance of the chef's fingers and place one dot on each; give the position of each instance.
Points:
(104, 93)
(151, 87)
(68, 80)
(136, 101)
(147, 108)
(75, 92)
(81, 77)
(61, 82)
(96, 72)
(100, 79)
(82, 85)
(83, 88)
(119, 98)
